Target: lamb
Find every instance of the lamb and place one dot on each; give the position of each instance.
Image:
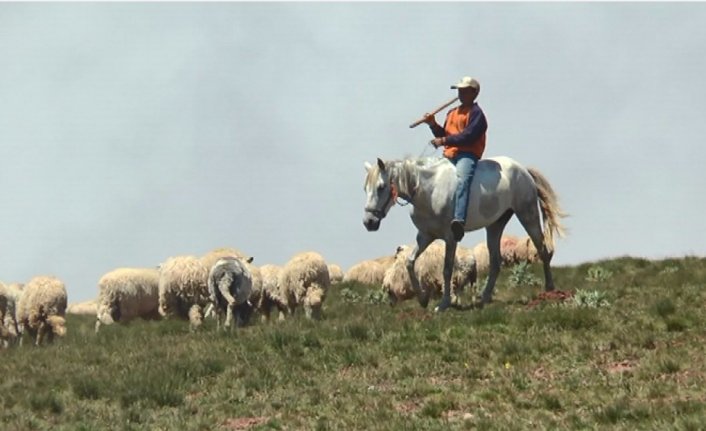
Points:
(335, 273)
(369, 272)
(127, 293)
(229, 287)
(42, 308)
(429, 269)
(183, 289)
(304, 280)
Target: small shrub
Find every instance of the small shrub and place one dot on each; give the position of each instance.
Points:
(350, 295)
(356, 332)
(520, 275)
(598, 274)
(675, 324)
(46, 401)
(86, 388)
(589, 299)
(664, 307)
(668, 366)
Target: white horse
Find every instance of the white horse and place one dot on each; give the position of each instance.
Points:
(501, 187)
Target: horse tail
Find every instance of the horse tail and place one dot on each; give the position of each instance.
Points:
(551, 211)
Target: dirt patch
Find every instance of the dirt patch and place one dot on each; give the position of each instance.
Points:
(555, 296)
(625, 366)
(407, 406)
(458, 415)
(244, 423)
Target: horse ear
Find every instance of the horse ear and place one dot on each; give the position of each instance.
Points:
(249, 259)
(381, 164)
(368, 166)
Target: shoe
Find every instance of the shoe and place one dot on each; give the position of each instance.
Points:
(457, 229)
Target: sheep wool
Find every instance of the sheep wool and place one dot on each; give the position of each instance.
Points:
(368, 272)
(127, 293)
(429, 270)
(9, 301)
(304, 280)
(42, 308)
(183, 289)
(335, 273)
(89, 308)
(271, 295)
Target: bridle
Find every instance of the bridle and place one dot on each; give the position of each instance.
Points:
(392, 197)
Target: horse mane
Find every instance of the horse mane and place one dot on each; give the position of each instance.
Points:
(406, 170)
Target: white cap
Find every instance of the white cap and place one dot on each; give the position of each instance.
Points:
(466, 82)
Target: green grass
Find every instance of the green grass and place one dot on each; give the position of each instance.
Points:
(635, 362)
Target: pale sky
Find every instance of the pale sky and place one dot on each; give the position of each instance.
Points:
(132, 132)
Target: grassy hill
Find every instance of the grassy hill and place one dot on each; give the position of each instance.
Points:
(625, 352)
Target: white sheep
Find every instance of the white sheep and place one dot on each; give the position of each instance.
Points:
(88, 308)
(42, 308)
(125, 294)
(335, 273)
(304, 280)
(9, 298)
(271, 294)
(183, 289)
(510, 253)
(13, 293)
(229, 287)
(525, 251)
(370, 272)
(429, 268)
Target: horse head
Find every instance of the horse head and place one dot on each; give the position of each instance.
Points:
(381, 194)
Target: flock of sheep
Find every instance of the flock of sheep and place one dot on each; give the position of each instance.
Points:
(226, 285)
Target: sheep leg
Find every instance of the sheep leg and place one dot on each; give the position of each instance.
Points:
(224, 286)
(494, 233)
(39, 335)
(229, 316)
(449, 258)
(423, 242)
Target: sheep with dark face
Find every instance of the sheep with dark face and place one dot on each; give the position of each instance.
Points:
(229, 288)
(42, 308)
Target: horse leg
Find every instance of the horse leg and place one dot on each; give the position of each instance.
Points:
(530, 221)
(494, 233)
(423, 242)
(449, 258)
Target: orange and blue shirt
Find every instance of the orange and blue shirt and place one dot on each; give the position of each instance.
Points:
(464, 129)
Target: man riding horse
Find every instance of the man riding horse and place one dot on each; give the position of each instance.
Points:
(463, 139)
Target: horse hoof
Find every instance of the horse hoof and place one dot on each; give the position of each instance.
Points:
(441, 307)
(423, 301)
